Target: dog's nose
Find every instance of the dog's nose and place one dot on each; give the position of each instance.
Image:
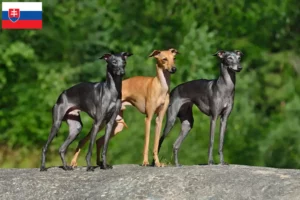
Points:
(173, 69)
(239, 68)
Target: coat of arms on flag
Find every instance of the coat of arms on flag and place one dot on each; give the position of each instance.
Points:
(14, 14)
(22, 15)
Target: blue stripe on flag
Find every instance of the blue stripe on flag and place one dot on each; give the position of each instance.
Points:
(25, 15)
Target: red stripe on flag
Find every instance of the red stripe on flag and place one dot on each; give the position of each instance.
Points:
(22, 24)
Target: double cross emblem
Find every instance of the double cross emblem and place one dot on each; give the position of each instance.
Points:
(14, 14)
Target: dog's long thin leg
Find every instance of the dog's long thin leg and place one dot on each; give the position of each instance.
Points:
(75, 127)
(118, 127)
(58, 112)
(172, 113)
(159, 120)
(186, 126)
(94, 131)
(169, 124)
(187, 121)
(52, 134)
(109, 128)
(211, 142)
(81, 143)
(222, 135)
(147, 138)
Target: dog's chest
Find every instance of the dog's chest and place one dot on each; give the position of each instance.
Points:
(108, 103)
(162, 99)
(160, 103)
(111, 109)
(225, 103)
(113, 102)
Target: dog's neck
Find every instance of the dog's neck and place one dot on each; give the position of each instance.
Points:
(163, 77)
(114, 82)
(227, 77)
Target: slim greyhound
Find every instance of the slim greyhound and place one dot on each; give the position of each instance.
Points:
(213, 97)
(150, 95)
(101, 101)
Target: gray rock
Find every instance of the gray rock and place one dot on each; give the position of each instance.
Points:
(136, 182)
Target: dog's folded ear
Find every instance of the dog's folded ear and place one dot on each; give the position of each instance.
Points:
(105, 56)
(238, 52)
(154, 53)
(174, 51)
(219, 53)
(126, 54)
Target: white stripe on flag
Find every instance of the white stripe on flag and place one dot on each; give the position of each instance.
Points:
(23, 6)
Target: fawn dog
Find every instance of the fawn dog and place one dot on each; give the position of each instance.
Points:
(150, 95)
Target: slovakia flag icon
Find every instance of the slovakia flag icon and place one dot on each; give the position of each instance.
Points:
(22, 15)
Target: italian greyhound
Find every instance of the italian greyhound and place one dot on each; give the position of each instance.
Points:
(150, 95)
(213, 97)
(101, 101)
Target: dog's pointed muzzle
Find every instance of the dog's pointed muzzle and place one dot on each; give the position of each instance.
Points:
(239, 68)
(173, 70)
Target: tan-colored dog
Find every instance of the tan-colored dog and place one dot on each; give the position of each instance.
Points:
(150, 95)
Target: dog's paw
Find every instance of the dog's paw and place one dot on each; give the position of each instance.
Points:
(106, 166)
(43, 169)
(211, 162)
(224, 163)
(145, 164)
(158, 164)
(73, 164)
(90, 169)
(99, 163)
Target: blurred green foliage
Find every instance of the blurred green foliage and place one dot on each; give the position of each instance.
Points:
(37, 65)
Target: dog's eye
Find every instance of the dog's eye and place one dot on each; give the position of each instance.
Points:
(230, 58)
(114, 62)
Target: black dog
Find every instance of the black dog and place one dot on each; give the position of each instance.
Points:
(213, 97)
(101, 101)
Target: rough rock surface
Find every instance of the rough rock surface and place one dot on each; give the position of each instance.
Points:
(136, 182)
